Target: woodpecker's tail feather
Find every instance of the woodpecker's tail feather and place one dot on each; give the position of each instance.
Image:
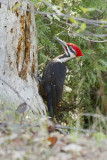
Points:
(49, 103)
(54, 99)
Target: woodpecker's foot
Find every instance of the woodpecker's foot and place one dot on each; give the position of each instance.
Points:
(38, 79)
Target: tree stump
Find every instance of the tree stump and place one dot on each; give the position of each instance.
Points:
(18, 55)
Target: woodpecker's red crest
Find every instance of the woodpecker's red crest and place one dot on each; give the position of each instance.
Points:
(78, 51)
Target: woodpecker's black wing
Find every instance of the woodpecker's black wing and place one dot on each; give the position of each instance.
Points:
(52, 81)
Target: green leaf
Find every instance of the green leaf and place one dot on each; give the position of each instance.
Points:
(73, 20)
(83, 26)
(84, 9)
(100, 136)
(87, 9)
(67, 89)
(91, 9)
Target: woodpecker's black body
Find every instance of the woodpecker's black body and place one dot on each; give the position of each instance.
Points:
(54, 75)
(52, 81)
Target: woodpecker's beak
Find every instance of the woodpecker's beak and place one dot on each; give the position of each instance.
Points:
(61, 42)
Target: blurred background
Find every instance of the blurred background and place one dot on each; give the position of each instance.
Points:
(83, 23)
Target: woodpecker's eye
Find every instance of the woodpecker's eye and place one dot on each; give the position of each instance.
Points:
(72, 50)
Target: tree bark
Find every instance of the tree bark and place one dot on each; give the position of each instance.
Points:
(18, 55)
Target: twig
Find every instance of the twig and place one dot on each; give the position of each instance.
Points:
(40, 48)
(95, 35)
(39, 7)
(62, 131)
(74, 129)
(95, 115)
(89, 39)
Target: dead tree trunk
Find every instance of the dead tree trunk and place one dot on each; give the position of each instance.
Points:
(18, 55)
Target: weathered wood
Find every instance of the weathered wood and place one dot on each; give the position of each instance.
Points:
(18, 55)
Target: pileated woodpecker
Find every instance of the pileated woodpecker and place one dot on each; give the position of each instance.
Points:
(54, 75)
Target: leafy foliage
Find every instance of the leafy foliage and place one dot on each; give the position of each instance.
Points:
(86, 76)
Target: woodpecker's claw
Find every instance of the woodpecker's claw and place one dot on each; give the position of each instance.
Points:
(38, 79)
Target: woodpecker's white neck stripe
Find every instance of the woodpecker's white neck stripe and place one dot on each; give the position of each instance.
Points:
(65, 59)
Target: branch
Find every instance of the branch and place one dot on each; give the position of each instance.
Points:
(79, 35)
(92, 34)
(88, 21)
(95, 115)
(74, 129)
